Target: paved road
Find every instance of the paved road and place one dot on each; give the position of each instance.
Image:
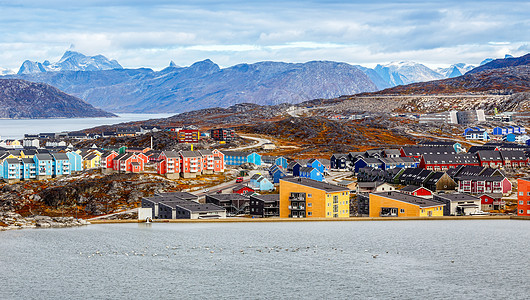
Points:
(444, 138)
(260, 142)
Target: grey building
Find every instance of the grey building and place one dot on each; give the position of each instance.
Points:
(265, 205)
(458, 204)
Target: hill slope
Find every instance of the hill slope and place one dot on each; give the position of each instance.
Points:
(23, 99)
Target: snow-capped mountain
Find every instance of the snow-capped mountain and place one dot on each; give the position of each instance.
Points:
(455, 70)
(71, 61)
(405, 72)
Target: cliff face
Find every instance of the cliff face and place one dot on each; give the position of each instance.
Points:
(22, 99)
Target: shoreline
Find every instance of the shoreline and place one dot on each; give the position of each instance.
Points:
(350, 219)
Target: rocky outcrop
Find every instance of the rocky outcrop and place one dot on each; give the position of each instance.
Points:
(11, 220)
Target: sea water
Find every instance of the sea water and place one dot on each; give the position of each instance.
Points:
(482, 259)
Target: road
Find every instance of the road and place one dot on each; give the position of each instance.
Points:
(260, 142)
(443, 138)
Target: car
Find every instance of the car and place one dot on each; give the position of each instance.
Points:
(239, 179)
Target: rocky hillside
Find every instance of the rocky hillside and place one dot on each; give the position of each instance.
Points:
(24, 99)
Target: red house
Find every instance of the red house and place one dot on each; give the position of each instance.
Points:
(169, 164)
(492, 202)
(490, 158)
(418, 191)
(128, 163)
(219, 161)
(191, 164)
(484, 185)
(188, 136)
(207, 161)
(242, 189)
(107, 159)
(443, 162)
(514, 158)
(143, 157)
(523, 197)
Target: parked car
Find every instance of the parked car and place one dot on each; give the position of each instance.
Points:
(239, 179)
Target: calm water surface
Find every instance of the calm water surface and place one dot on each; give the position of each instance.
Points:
(321, 260)
(15, 129)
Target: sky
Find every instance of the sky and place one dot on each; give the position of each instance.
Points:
(153, 33)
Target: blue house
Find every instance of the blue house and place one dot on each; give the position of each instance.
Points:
(276, 174)
(296, 170)
(315, 163)
(264, 184)
(281, 162)
(258, 182)
(311, 173)
(236, 158)
(471, 129)
(76, 161)
(510, 137)
(44, 164)
(29, 168)
(61, 164)
(367, 162)
(480, 135)
(500, 130)
(254, 158)
(12, 169)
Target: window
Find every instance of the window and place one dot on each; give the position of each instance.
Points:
(528, 194)
(521, 202)
(309, 204)
(309, 213)
(527, 202)
(329, 204)
(403, 210)
(520, 212)
(309, 195)
(329, 214)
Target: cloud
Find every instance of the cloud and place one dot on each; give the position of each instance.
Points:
(151, 33)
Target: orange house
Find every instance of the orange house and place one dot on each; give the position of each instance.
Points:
(523, 197)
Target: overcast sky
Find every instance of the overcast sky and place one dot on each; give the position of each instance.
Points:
(152, 33)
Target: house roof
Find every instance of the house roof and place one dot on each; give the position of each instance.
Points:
(421, 150)
(307, 169)
(410, 188)
(28, 160)
(463, 158)
(421, 202)
(190, 153)
(266, 198)
(255, 176)
(43, 156)
(13, 161)
(193, 206)
(236, 153)
(240, 186)
(458, 197)
(489, 155)
(60, 156)
(370, 184)
(205, 152)
(513, 155)
(181, 195)
(171, 154)
(370, 160)
(327, 187)
(227, 197)
(482, 178)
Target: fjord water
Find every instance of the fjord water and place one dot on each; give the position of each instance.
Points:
(16, 128)
(310, 260)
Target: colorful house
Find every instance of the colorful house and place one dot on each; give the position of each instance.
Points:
(107, 158)
(44, 165)
(492, 202)
(281, 162)
(523, 197)
(191, 164)
(61, 164)
(169, 164)
(29, 168)
(484, 185)
(315, 163)
(128, 163)
(417, 191)
(91, 161)
(254, 158)
(306, 198)
(76, 161)
(276, 174)
(311, 173)
(12, 170)
(397, 204)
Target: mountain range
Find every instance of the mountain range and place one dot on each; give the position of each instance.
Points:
(23, 99)
(106, 84)
(508, 75)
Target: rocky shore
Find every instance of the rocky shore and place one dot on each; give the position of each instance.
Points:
(11, 220)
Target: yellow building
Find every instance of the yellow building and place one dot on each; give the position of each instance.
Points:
(91, 161)
(397, 204)
(307, 198)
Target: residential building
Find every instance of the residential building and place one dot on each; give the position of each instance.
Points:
(417, 191)
(311, 173)
(169, 164)
(458, 204)
(234, 204)
(484, 185)
(188, 136)
(223, 134)
(44, 165)
(397, 204)
(191, 164)
(373, 187)
(61, 164)
(492, 202)
(265, 206)
(306, 198)
(523, 197)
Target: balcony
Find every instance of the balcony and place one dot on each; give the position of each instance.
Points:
(298, 198)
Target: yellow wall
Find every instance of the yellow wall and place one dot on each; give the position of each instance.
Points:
(92, 163)
(321, 203)
(411, 210)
